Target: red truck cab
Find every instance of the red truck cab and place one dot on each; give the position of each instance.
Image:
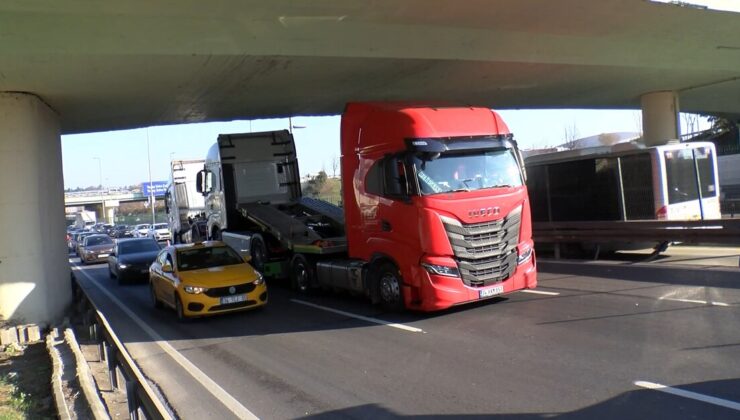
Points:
(435, 201)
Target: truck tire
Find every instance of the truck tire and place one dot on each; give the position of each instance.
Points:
(388, 281)
(259, 253)
(302, 274)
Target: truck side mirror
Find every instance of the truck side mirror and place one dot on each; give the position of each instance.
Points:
(199, 182)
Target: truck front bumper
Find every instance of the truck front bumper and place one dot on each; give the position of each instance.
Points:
(441, 292)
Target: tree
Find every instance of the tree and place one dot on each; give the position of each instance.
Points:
(571, 135)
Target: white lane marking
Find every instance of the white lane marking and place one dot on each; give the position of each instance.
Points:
(688, 394)
(702, 302)
(360, 317)
(209, 384)
(540, 292)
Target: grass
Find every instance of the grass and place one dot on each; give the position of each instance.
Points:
(25, 384)
(14, 403)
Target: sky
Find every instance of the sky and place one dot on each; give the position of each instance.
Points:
(124, 161)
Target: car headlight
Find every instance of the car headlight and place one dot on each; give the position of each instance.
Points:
(195, 289)
(441, 270)
(524, 256)
(260, 278)
(123, 266)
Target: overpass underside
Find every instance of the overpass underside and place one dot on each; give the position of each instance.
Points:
(71, 67)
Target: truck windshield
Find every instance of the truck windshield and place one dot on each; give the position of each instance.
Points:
(467, 171)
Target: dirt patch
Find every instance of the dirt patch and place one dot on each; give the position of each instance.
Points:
(25, 384)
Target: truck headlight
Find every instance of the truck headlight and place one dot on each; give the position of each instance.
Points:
(195, 289)
(260, 278)
(441, 270)
(524, 256)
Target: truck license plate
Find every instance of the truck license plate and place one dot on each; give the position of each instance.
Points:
(233, 299)
(493, 291)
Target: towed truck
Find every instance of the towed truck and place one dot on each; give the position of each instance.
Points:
(435, 207)
(183, 203)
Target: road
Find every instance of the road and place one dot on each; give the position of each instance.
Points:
(589, 347)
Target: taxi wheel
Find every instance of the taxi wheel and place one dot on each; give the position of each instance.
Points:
(153, 297)
(181, 317)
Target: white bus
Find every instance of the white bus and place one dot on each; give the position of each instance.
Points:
(627, 181)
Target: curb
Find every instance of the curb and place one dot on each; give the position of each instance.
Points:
(56, 377)
(87, 383)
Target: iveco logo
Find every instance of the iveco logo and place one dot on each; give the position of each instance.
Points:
(485, 211)
(232, 290)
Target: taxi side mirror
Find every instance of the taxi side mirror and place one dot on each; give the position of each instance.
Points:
(167, 268)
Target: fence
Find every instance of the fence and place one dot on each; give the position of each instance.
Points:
(143, 400)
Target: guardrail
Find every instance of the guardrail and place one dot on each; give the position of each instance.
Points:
(693, 231)
(143, 400)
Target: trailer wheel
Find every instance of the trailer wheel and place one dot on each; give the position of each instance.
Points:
(258, 251)
(389, 287)
(302, 274)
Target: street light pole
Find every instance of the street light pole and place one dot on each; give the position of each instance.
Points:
(100, 177)
(151, 187)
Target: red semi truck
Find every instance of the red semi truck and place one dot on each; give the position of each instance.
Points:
(435, 207)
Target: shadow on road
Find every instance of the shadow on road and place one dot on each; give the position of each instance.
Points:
(637, 404)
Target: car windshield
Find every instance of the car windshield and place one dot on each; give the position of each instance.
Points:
(97, 240)
(467, 172)
(160, 226)
(198, 258)
(134, 247)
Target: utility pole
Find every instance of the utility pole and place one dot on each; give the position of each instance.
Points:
(151, 187)
(102, 199)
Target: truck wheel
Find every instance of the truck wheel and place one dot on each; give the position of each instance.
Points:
(302, 274)
(389, 287)
(259, 253)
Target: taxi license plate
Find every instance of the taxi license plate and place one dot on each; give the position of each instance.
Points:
(233, 299)
(102, 255)
(493, 291)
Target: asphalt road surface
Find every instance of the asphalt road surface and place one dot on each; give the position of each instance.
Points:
(663, 346)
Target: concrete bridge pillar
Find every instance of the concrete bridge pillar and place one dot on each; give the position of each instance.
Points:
(660, 121)
(34, 271)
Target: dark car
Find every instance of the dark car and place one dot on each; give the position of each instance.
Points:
(122, 231)
(131, 259)
(96, 248)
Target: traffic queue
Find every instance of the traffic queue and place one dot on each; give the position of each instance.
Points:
(195, 280)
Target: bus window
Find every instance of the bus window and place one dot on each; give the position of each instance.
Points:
(637, 176)
(705, 163)
(680, 176)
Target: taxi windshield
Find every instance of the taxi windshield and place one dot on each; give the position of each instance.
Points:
(199, 258)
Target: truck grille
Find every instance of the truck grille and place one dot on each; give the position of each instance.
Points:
(485, 252)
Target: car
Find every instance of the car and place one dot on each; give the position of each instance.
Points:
(122, 231)
(96, 248)
(159, 232)
(131, 259)
(141, 230)
(205, 278)
(76, 241)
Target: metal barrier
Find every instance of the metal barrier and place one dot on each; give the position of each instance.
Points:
(143, 400)
(693, 231)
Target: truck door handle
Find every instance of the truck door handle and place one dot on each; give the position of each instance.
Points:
(385, 226)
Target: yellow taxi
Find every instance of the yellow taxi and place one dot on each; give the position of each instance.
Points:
(205, 278)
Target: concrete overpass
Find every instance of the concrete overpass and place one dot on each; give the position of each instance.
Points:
(70, 67)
